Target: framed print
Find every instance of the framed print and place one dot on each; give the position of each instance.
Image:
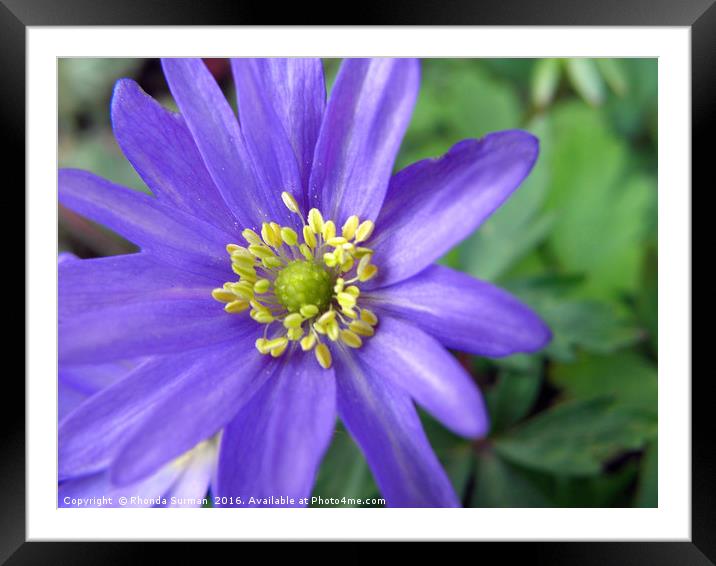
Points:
(357, 283)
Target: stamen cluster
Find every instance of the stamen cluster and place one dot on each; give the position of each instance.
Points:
(306, 289)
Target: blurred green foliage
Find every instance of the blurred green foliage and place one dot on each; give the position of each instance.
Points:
(576, 424)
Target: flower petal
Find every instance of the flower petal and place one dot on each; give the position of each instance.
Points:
(159, 326)
(68, 398)
(220, 382)
(418, 364)
(280, 104)
(159, 145)
(89, 379)
(247, 192)
(464, 313)
(364, 123)
(274, 445)
(90, 284)
(295, 88)
(435, 203)
(90, 435)
(382, 419)
(177, 238)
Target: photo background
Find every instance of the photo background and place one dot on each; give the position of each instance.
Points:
(572, 426)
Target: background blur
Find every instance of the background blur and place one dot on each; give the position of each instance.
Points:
(576, 425)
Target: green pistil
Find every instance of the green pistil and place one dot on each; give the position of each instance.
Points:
(303, 283)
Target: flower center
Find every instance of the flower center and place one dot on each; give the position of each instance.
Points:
(302, 283)
(303, 292)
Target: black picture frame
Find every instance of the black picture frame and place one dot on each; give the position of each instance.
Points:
(699, 15)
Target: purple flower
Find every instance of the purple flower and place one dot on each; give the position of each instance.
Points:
(323, 264)
(183, 482)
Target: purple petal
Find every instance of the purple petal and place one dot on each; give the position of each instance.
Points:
(464, 313)
(92, 489)
(296, 92)
(194, 483)
(68, 399)
(402, 353)
(89, 379)
(265, 136)
(435, 203)
(248, 192)
(176, 238)
(91, 284)
(382, 419)
(159, 326)
(366, 117)
(160, 147)
(274, 445)
(218, 384)
(91, 435)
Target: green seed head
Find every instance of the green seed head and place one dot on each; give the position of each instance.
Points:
(303, 283)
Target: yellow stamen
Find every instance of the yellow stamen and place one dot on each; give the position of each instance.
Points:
(261, 345)
(309, 310)
(262, 285)
(362, 328)
(289, 236)
(327, 317)
(365, 230)
(367, 273)
(315, 221)
(350, 227)
(290, 202)
(351, 339)
(261, 252)
(333, 330)
(308, 342)
(369, 317)
(329, 230)
(294, 334)
(223, 296)
(293, 320)
(237, 306)
(323, 355)
(309, 237)
(276, 352)
(251, 237)
(306, 252)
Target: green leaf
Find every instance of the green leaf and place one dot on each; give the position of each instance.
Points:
(545, 79)
(602, 211)
(500, 484)
(648, 491)
(586, 79)
(512, 397)
(593, 326)
(344, 472)
(614, 73)
(625, 376)
(576, 438)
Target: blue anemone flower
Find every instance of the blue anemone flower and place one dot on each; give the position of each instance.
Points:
(286, 277)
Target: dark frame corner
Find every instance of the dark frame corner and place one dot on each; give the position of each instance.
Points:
(699, 15)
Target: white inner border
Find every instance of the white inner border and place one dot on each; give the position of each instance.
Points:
(671, 520)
